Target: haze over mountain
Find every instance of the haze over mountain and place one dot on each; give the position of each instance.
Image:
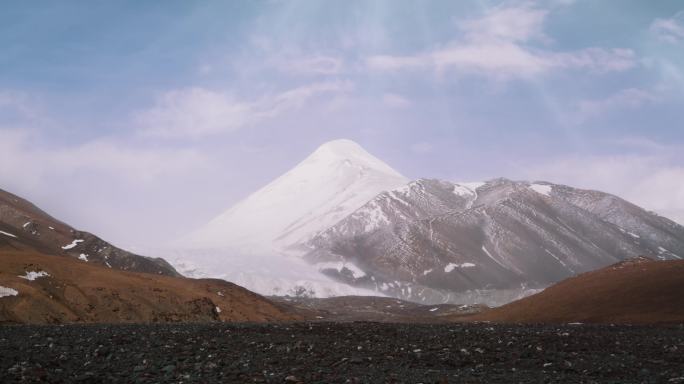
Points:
(52, 273)
(258, 242)
(23, 226)
(363, 225)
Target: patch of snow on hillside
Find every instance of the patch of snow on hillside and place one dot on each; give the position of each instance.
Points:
(425, 272)
(634, 235)
(72, 244)
(32, 275)
(662, 250)
(561, 262)
(462, 190)
(472, 185)
(375, 218)
(486, 251)
(396, 195)
(83, 257)
(451, 266)
(542, 189)
(26, 224)
(5, 291)
(7, 234)
(404, 189)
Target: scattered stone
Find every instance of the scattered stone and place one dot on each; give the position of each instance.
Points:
(470, 353)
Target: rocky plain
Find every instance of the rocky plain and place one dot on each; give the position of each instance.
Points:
(334, 352)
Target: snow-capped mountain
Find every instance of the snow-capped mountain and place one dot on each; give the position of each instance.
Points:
(436, 241)
(343, 222)
(258, 243)
(331, 183)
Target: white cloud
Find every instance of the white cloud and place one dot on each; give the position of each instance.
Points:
(198, 112)
(392, 63)
(21, 158)
(512, 24)
(394, 100)
(500, 59)
(120, 190)
(631, 98)
(498, 45)
(289, 57)
(562, 3)
(497, 58)
(194, 112)
(311, 65)
(594, 59)
(505, 60)
(670, 30)
(297, 97)
(649, 181)
(641, 144)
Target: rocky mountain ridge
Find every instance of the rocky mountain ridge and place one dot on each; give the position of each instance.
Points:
(437, 241)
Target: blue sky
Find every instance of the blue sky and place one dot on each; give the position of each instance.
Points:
(140, 120)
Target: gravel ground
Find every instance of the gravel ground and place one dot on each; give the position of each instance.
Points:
(341, 353)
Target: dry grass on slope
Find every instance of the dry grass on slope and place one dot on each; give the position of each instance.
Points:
(639, 291)
(77, 291)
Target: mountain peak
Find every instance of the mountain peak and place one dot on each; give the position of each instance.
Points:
(347, 152)
(340, 145)
(341, 149)
(250, 242)
(335, 180)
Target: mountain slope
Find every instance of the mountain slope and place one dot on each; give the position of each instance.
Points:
(436, 241)
(39, 288)
(634, 291)
(357, 221)
(258, 243)
(332, 182)
(24, 226)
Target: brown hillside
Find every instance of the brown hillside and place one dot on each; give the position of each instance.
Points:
(77, 291)
(25, 226)
(638, 291)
